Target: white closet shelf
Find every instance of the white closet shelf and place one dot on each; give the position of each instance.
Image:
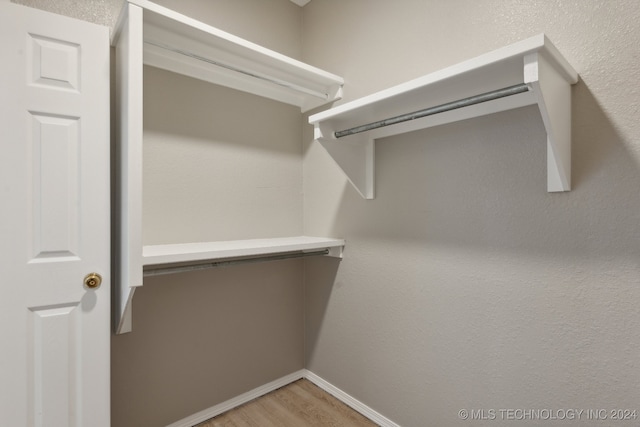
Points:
(186, 46)
(526, 73)
(156, 255)
(147, 33)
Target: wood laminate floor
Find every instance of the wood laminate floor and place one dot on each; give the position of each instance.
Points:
(299, 404)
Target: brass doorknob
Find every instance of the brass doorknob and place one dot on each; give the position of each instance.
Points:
(93, 280)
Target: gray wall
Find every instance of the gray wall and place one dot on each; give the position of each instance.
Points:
(464, 283)
(102, 12)
(218, 165)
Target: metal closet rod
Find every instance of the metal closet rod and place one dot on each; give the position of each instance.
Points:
(272, 80)
(185, 268)
(465, 102)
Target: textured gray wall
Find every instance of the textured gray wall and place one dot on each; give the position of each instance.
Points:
(464, 283)
(102, 12)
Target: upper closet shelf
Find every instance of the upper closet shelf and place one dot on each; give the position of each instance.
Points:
(186, 46)
(525, 73)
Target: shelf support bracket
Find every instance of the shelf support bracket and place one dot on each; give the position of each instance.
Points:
(553, 96)
(128, 44)
(355, 156)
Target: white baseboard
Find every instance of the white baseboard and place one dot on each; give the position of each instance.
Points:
(348, 400)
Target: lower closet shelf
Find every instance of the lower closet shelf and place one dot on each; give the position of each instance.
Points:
(212, 251)
(181, 257)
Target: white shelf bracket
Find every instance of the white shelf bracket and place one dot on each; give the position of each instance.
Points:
(553, 95)
(355, 155)
(335, 252)
(124, 319)
(129, 47)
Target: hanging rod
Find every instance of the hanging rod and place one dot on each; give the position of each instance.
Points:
(185, 268)
(272, 80)
(465, 102)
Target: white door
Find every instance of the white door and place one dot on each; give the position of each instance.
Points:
(54, 220)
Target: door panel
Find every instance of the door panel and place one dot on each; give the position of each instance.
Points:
(54, 220)
(55, 159)
(54, 368)
(53, 62)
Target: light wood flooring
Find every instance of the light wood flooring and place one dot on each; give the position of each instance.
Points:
(299, 404)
